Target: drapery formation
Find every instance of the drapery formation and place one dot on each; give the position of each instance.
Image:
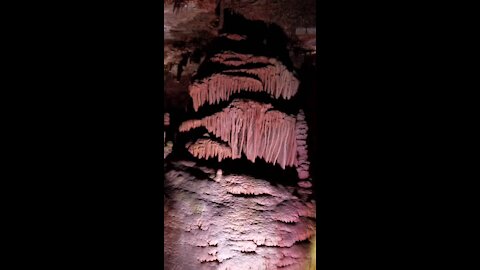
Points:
(251, 128)
(206, 148)
(273, 78)
(220, 87)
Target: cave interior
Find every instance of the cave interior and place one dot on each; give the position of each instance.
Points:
(240, 122)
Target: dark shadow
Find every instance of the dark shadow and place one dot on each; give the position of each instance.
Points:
(262, 39)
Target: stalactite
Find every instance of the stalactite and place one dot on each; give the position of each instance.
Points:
(301, 130)
(206, 148)
(220, 87)
(274, 78)
(178, 4)
(251, 128)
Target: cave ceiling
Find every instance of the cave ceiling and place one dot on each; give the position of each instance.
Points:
(190, 26)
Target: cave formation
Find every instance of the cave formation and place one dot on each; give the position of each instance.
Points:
(240, 135)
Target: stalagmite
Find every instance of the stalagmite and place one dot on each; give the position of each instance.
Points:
(254, 129)
(301, 130)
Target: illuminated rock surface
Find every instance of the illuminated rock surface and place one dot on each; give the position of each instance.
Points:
(273, 78)
(254, 129)
(236, 222)
(206, 148)
(240, 87)
(301, 130)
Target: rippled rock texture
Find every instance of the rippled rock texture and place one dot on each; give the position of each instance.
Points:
(236, 222)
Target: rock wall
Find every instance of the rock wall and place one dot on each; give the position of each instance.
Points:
(236, 222)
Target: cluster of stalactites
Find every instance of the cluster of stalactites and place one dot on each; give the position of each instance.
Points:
(220, 87)
(251, 128)
(206, 148)
(301, 130)
(166, 119)
(274, 79)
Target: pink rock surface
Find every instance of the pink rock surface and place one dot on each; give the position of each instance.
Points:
(237, 59)
(235, 37)
(305, 184)
(206, 148)
(234, 222)
(254, 129)
(301, 130)
(220, 87)
(166, 119)
(274, 78)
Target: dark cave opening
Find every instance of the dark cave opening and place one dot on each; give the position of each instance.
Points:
(262, 39)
